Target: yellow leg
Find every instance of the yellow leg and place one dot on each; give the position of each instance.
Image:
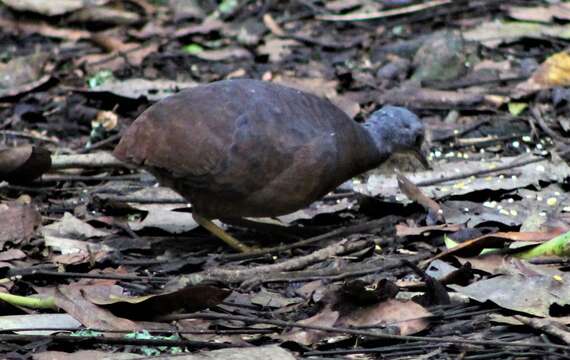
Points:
(220, 233)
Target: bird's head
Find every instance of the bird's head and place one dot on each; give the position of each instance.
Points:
(396, 129)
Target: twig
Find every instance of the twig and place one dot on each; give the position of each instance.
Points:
(36, 273)
(335, 233)
(548, 326)
(28, 136)
(540, 120)
(335, 274)
(372, 334)
(86, 161)
(100, 144)
(150, 329)
(83, 340)
(55, 178)
(479, 172)
(386, 13)
(243, 274)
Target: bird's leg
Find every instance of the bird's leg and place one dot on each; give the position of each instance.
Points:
(220, 233)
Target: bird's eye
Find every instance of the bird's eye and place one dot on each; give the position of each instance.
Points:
(419, 139)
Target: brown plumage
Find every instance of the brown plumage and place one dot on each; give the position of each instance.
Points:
(247, 148)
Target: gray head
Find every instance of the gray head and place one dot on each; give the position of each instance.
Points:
(395, 129)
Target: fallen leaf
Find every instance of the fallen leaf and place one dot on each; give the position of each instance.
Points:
(540, 13)
(22, 74)
(496, 32)
(71, 227)
(327, 317)
(134, 88)
(36, 321)
(527, 288)
(407, 317)
(162, 216)
(52, 7)
(515, 178)
(18, 223)
(553, 72)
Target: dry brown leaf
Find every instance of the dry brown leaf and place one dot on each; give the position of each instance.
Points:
(18, 223)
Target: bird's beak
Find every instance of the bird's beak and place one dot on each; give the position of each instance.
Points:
(420, 153)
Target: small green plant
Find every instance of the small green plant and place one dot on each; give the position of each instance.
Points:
(86, 333)
(99, 78)
(193, 49)
(155, 351)
(227, 6)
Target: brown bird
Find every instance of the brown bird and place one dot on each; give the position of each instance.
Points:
(248, 148)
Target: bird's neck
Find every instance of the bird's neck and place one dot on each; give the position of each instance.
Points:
(379, 150)
(367, 153)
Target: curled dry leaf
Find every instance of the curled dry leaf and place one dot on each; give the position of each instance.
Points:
(23, 164)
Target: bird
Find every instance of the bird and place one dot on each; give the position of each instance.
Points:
(249, 148)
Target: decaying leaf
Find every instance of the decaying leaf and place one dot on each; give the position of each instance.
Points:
(138, 88)
(68, 236)
(527, 288)
(18, 223)
(22, 74)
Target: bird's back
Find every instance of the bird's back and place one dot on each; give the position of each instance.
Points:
(246, 147)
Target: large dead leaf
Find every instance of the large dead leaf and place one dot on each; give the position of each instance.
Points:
(495, 32)
(517, 177)
(541, 13)
(36, 321)
(70, 298)
(244, 353)
(190, 299)
(327, 317)
(527, 288)
(407, 317)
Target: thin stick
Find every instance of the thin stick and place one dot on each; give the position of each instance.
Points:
(386, 13)
(514, 164)
(86, 161)
(372, 334)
